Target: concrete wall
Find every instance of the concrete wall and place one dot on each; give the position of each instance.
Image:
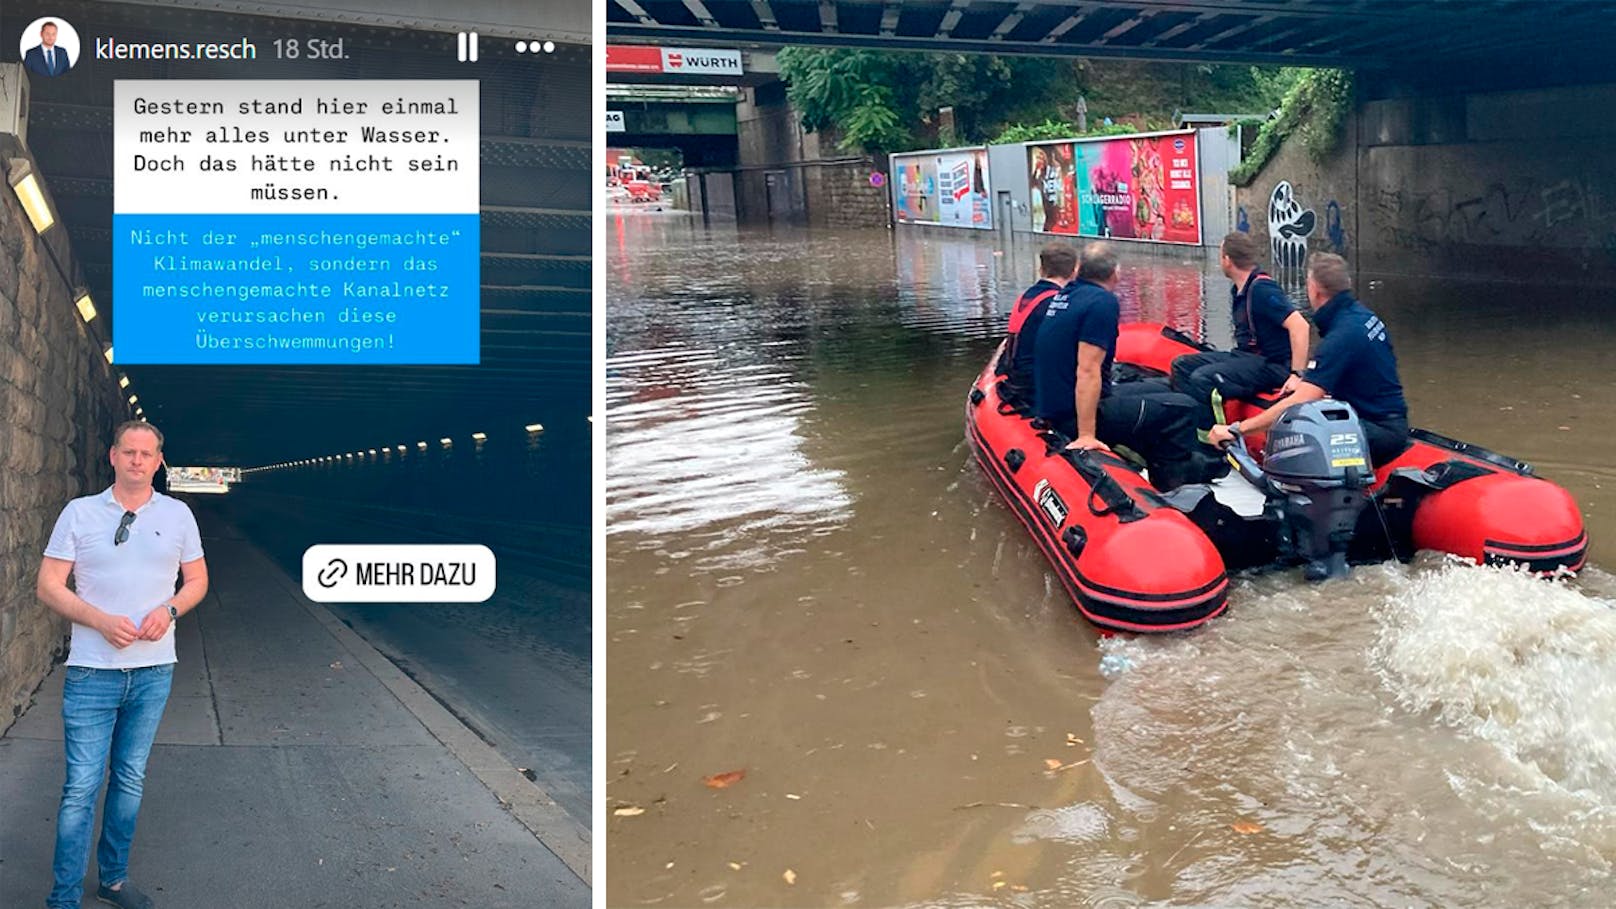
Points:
(770, 137)
(59, 401)
(839, 194)
(1514, 185)
(1219, 151)
(1007, 172)
(712, 194)
(1324, 216)
(790, 177)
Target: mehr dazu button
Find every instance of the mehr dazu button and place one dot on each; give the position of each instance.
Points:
(381, 573)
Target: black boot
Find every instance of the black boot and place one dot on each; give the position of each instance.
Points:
(1213, 465)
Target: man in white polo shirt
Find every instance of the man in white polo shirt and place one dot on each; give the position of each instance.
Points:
(123, 548)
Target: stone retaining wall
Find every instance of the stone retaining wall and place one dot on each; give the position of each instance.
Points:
(840, 195)
(59, 401)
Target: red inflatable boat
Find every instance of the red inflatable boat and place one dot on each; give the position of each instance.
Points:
(1135, 560)
(1128, 559)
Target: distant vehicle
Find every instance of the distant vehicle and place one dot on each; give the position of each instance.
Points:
(640, 190)
(639, 184)
(630, 180)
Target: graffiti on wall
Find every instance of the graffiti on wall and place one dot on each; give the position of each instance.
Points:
(1569, 212)
(1289, 226)
(1422, 221)
(1333, 229)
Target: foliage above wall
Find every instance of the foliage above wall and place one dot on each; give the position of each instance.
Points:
(888, 101)
(1060, 129)
(1314, 111)
(880, 101)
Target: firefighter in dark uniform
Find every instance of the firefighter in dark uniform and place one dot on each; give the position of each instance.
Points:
(1057, 266)
(1270, 337)
(1074, 393)
(1354, 363)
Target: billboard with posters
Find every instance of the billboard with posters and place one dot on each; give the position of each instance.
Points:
(949, 187)
(1141, 187)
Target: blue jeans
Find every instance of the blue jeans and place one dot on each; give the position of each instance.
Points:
(105, 712)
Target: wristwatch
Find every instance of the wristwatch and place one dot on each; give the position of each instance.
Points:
(173, 614)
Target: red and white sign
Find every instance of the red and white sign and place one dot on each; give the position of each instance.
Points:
(695, 61)
(633, 59)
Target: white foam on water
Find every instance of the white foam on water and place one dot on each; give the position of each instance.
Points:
(1449, 726)
(1526, 665)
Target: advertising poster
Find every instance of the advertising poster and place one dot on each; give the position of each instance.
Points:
(962, 178)
(914, 188)
(1126, 187)
(949, 187)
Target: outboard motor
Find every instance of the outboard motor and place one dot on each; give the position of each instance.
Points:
(1317, 474)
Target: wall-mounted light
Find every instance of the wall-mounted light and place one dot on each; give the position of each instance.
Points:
(25, 183)
(480, 436)
(86, 305)
(134, 399)
(107, 353)
(123, 381)
(446, 441)
(421, 445)
(535, 427)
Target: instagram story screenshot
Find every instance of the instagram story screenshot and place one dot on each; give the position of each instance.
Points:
(295, 435)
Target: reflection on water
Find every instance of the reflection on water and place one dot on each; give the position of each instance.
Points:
(965, 284)
(810, 580)
(709, 451)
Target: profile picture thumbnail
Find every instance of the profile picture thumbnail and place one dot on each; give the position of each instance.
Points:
(49, 46)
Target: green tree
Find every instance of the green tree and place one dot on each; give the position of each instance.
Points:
(886, 101)
(857, 93)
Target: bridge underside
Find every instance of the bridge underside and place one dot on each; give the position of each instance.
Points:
(1388, 34)
(698, 151)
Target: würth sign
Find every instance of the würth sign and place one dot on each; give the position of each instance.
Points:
(695, 61)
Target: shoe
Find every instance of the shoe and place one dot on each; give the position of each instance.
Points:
(1212, 466)
(125, 897)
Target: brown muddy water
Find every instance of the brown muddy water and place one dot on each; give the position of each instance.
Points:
(810, 581)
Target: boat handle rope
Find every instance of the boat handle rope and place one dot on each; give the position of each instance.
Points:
(1104, 487)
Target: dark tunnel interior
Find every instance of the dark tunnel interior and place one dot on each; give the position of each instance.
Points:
(494, 452)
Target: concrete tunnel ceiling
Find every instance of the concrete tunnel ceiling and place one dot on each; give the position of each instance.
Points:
(1359, 33)
(536, 199)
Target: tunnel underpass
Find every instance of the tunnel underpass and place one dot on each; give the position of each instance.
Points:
(494, 453)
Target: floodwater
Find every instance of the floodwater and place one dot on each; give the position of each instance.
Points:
(810, 581)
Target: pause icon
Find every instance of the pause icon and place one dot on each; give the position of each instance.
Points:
(467, 47)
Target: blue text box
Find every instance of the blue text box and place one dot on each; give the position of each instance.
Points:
(296, 289)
